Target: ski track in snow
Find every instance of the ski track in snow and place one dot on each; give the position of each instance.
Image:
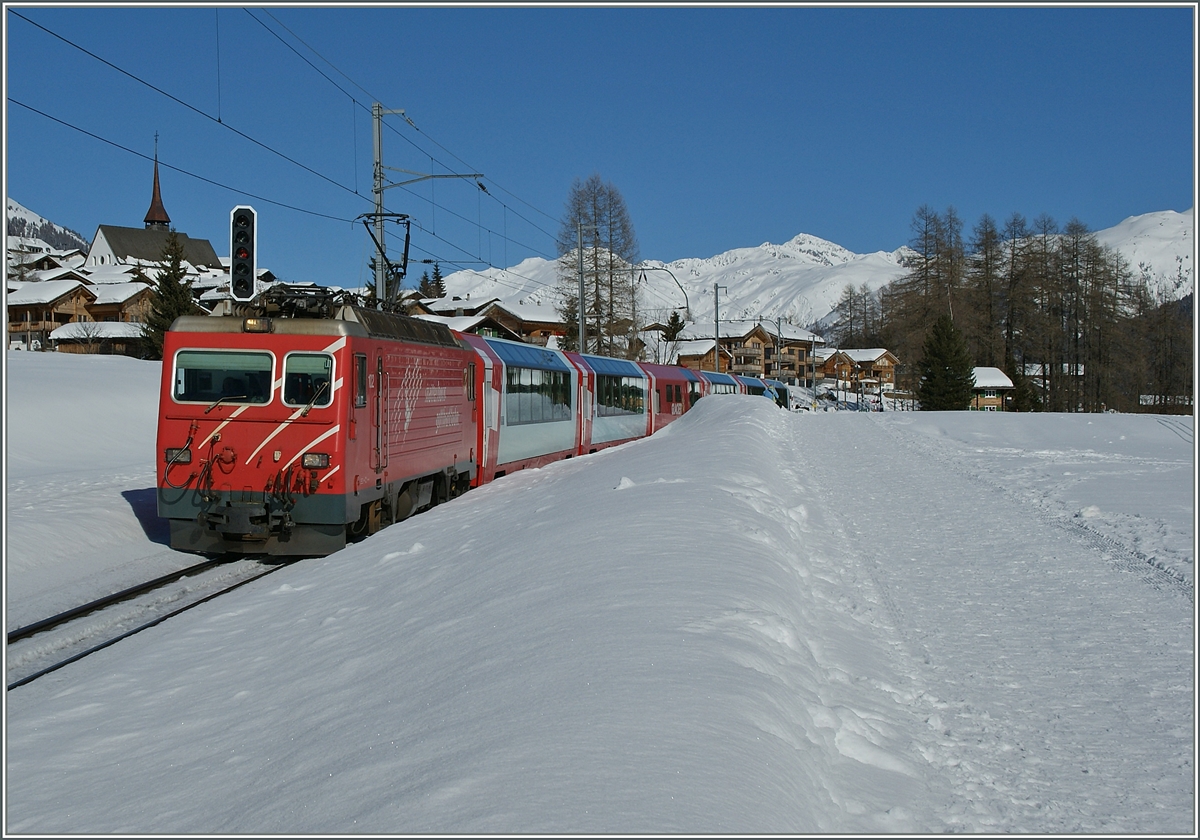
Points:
(1152, 571)
(1006, 723)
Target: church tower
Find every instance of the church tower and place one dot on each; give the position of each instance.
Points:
(156, 216)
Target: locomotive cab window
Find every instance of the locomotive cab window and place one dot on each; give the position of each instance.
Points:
(308, 379)
(230, 376)
(360, 380)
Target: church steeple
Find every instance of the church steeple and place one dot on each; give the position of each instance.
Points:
(156, 216)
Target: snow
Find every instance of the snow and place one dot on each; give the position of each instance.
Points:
(1158, 246)
(752, 622)
(991, 377)
(45, 292)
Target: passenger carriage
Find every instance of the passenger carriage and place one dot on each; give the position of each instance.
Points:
(532, 397)
(721, 383)
(616, 401)
(673, 390)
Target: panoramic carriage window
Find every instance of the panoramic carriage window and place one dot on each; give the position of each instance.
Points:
(231, 376)
(308, 378)
(536, 396)
(618, 395)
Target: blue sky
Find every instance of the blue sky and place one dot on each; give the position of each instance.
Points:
(721, 127)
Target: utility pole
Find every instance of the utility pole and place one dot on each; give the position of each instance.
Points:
(717, 323)
(381, 263)
(582, 322)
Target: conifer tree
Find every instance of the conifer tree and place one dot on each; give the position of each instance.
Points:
(425, 287)
(437, 283)
(674, 326)
(947, 374)
(172, 297)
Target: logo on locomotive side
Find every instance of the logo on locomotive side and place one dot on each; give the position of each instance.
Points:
(408, 394)
(447, 418)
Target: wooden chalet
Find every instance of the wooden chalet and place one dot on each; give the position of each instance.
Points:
(36, 309)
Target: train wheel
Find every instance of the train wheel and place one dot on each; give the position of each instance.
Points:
(362, 527)
(406, 501)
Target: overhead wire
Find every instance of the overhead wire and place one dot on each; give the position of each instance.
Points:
(187, 105)
(410, 122)
(176, 168)
(353, 190)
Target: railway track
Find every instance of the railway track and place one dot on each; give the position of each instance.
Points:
(45, 646)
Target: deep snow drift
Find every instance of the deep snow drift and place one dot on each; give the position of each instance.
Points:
(754, 621)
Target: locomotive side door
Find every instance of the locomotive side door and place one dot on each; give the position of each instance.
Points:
(379, 447)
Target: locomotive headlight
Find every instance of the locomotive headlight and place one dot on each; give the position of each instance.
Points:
(256, 325)
(315, 461)
(178, 456)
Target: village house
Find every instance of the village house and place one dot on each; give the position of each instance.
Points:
(700, 354)
(753, 348)
(95, 302)
(35, 310)
(992, 390)
(872, 370)
(531, 323)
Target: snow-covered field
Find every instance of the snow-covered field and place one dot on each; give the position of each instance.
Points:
(752, 622)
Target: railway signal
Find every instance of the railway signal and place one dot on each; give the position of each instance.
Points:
(243, 252)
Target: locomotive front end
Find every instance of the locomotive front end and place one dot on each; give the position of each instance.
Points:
(249, 450)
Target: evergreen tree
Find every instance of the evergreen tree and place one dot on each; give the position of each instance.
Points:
(675, 325)
(172, 297)
(437, 283)
(425, 287)
(947, 375)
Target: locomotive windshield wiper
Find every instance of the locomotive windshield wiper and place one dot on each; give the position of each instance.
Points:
(222, 399)
(314, 399)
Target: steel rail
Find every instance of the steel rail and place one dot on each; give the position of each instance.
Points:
(30, 678)
(108, 600)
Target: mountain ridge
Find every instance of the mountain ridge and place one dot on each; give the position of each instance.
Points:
(798, 281)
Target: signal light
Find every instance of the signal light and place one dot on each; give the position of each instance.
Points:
(243, 259)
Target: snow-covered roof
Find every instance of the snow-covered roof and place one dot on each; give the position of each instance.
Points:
(46, 292)
(461, 323)
(696, 347)
(117, 292)
(61, 273)
(96, 330)
(991, 377)
(530, 312)
(865, 355)
(109, 274)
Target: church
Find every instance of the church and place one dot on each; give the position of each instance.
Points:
(113, 245)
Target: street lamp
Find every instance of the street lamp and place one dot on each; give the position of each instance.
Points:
(687, 307)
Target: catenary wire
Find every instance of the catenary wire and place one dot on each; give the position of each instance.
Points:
(188, 105)
(411, 123)
(176, 168)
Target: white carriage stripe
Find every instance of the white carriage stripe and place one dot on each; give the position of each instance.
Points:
(329, 474)
(337, 384)
(311, 444)
(337, 345)
(225, 422)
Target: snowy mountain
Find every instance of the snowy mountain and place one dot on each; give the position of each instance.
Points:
(801, 280)
(1159, 247)
(29, 225)
(798, 281)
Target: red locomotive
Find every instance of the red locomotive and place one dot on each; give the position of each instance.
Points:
(293, 435)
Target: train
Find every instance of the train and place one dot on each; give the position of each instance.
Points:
(292, 436)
